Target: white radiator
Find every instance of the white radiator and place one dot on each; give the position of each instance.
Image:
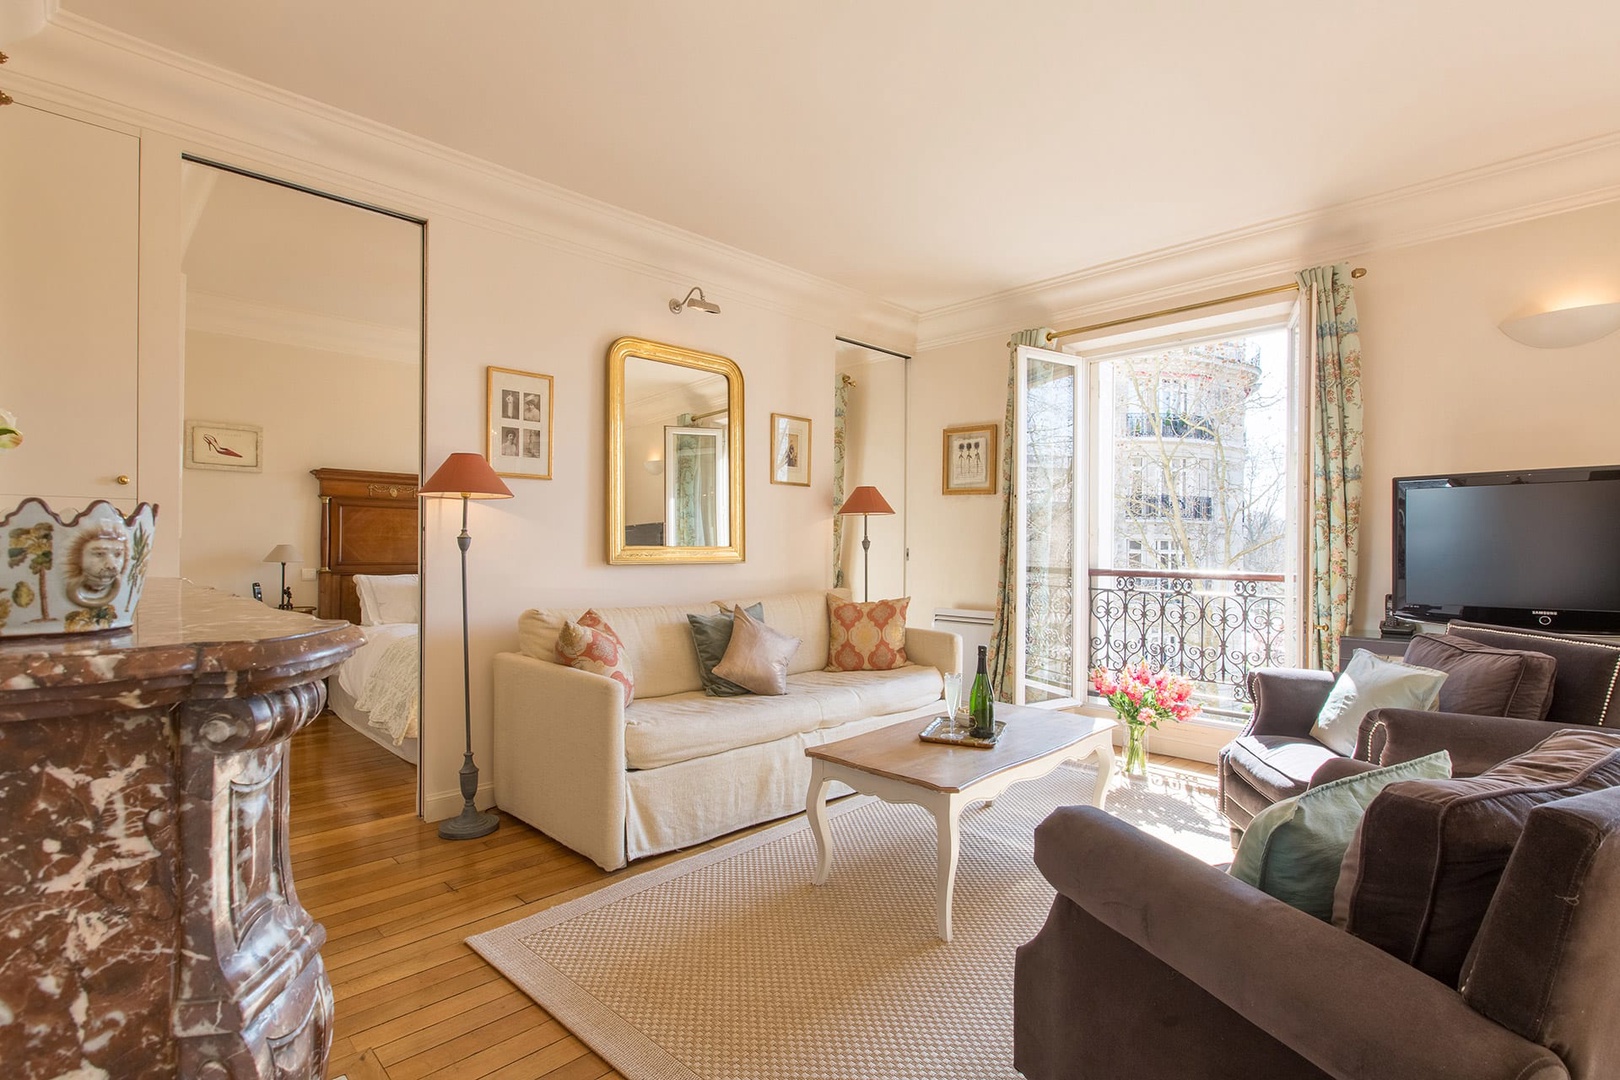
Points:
(971, 625)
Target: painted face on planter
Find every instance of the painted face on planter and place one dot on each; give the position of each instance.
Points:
(96, 568)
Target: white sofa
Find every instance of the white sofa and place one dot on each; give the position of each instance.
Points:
(678, 767)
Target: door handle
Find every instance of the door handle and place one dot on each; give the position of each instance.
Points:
(123, 480)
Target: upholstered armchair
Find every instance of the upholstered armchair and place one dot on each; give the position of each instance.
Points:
(1275, 757)
(1153, 964)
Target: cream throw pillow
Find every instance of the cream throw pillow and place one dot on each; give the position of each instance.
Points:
(758, 656)
(1372, 682)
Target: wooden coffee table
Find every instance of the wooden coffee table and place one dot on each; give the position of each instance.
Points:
(898, 767)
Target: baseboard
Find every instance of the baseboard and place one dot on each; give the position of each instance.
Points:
(447, 804)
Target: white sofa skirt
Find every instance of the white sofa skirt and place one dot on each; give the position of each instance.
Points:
(676, 806)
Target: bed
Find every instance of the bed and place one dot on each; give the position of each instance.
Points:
(368, 565)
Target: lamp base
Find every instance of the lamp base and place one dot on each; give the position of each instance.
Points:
(470, 824)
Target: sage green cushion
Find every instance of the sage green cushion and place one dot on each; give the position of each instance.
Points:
(1372, 682)
(1293, 848)
(711, 634)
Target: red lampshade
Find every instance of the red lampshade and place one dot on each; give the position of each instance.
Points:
(865, 500)
(465, 476)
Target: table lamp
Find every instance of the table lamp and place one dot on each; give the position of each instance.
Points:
(284, 554)
(865, 501)
(466, 476)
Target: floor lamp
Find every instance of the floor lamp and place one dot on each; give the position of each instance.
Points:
(865, 501)
(466, 476)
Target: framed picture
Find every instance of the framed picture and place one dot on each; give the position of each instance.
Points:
(790, 450)
(971, 465)
(212, 444)
(518, 410)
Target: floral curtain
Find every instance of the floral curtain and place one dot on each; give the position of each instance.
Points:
(1004, 631)
(1335, 449)
(840, 407)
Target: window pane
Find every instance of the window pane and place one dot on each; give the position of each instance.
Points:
(1050, 422)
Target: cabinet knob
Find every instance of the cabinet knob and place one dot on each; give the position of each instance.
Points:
(123, 481)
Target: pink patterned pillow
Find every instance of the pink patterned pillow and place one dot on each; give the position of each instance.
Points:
(591, 645)
(866, 637)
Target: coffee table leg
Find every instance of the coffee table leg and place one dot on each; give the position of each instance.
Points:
(1105, 772)
(815, 808)
(947, 813)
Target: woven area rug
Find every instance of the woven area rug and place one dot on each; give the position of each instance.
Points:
(731, 965)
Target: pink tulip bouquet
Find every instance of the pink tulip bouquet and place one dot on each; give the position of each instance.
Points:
(1142, 699)
(1141, 696)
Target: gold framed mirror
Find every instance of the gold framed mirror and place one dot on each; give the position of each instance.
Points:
(675, 455)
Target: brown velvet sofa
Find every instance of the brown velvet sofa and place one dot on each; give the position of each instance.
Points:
(1275, 757)
(1153, 964)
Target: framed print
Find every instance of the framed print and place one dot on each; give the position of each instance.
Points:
(518, 409)
(971, 465)
(790, 450)
(212, 444)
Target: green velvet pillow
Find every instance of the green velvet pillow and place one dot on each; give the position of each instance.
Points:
(1293, 848)
(711, 634)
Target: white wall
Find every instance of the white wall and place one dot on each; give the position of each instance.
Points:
(318, 410)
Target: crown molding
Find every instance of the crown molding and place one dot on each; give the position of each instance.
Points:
(224, 116)
(232, 316)
(1554, 181)
(22, 19)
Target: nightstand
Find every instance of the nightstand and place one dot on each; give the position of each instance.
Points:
(305, 610)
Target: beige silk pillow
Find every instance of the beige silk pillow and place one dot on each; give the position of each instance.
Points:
(866, 637)
(758, 656)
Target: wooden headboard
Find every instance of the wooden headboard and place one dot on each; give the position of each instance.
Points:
(368, 526)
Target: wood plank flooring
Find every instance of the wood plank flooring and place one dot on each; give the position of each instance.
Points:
(413, 1000)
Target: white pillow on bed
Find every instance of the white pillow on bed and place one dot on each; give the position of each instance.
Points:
(388, 598)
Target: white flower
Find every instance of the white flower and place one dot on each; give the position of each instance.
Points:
(9, 435)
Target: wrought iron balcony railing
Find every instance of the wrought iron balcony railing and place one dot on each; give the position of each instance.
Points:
(1211, 627)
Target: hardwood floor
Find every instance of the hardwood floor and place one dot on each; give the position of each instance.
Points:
(412, 999)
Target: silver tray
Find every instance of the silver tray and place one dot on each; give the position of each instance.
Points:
(944, 730)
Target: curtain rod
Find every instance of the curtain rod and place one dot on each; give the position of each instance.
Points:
(1292, 286)
(874, 348)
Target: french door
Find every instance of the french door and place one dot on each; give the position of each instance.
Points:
(1051, 455)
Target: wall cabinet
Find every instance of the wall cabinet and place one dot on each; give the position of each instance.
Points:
(69, 294)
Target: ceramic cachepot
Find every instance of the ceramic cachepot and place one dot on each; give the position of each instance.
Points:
(72, 573)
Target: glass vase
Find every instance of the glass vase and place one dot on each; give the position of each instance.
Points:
(1135, 765)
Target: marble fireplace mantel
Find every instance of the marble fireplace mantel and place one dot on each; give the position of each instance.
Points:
(148, 922)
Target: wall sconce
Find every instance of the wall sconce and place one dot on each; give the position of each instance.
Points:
(700, 303)
(654, 465)
(1566, 327)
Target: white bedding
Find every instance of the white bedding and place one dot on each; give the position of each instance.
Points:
(383, 677)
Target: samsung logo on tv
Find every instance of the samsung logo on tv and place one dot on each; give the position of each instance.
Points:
(1543, 612)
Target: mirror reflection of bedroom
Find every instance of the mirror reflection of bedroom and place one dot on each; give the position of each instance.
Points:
(304, 361)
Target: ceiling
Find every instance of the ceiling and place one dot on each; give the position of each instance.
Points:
(932, 152)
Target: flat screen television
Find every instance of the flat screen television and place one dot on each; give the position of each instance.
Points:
(1536, 548)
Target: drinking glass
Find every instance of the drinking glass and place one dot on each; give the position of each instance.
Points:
(953, 694)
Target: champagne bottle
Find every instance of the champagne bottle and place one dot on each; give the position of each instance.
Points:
(980, 706)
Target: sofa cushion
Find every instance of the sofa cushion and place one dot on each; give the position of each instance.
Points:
(1293, 848)
(798, 614)
(658, 640)
(1277, 766)
(1371, 682)
(758, 655)
(1483, 680)
(710, 636)
(866, 637)
(662, 731)
(1584, 686)
(591, 645)
(1420, 874)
